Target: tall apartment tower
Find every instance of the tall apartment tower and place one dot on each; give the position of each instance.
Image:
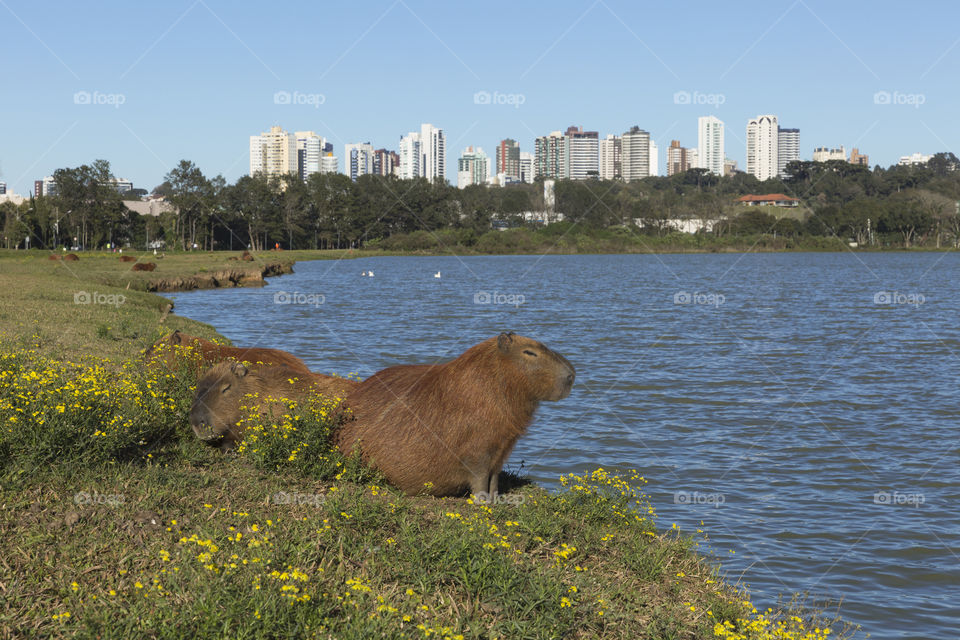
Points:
(678, 158)
(273, 153)
(433, 153)
(861, 159)
(583, 153)
(654, 159)
(508, 158)
(527, 167)
(385, 162)
(309, 153)
(409, 152)
(763, 153)
(635, 154)
(472, 167)
(788, 149)
(550, 156)
(710, 151)
(358, 158)
(610, 157)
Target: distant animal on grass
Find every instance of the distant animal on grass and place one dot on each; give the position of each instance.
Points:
(171, 349)
(127, 259)
(53, 256)
(246, 257)
(144, 266)
(443, 428)
(71, 257)
(225, 388)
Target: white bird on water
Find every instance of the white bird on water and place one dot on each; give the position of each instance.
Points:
(363, 275)
(370, 274)
(436, 275)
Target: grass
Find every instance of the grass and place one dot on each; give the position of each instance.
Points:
(117, 522)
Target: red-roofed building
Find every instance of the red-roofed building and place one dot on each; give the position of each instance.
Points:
(775, 199)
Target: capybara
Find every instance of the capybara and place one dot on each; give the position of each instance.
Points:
(144, 266)
(53, 256)
(212, 353)
(127, 259)
(442, 428)
(223, 389)
(71, 257)
(246, 257)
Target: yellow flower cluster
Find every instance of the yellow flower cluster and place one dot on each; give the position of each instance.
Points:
(761, 626)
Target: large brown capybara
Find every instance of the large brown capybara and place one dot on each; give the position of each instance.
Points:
(127, 259)
(212, 353)
(440, 429)
(71, 257)
(53, 256)
(223, 389)
(144, 266)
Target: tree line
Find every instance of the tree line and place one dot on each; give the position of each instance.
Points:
(901, 205)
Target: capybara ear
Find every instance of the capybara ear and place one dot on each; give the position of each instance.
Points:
(504, 340)
(176, 338)
(238, 369)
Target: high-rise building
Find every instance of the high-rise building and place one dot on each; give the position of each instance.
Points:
(825, 154)
(729, 167)
(358, 159)
(527, 170)
(329, 163)
(385, 162)
(710, 151)
(409, 152)
(763, 153)
(610, 157)
(583, 153)
(550, 156)
(433, 152)
(273, 153)
(788, 149)
(473, 167)
(45, 187)
(508, 158)
(915, 158)
(654, 159)
(678, 158)
(635, 154)
(3, 188)
(309, 152)
(861, 159)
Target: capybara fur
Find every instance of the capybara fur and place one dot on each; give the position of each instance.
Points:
(53, 256)
(444, 428)
(144, 266)
(71, 257)
(127, 259)
(246, 257)
(212, 353)
(223, 389)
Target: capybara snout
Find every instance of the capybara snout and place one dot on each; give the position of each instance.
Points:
(550, 373)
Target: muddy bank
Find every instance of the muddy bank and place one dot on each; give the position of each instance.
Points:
(250, 276)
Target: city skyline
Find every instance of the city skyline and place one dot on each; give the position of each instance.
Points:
(139, 96)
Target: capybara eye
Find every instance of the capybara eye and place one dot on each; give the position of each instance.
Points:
(226, 388)
(529, 353)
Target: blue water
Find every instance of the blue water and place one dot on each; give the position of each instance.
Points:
(812, 429)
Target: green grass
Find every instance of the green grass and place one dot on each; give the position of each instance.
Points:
(117, 522)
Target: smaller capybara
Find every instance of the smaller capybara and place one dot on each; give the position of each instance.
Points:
(127, 259)
(53, 256)
(246, 257)
(443, 428)
(223, 389)
(144, 266)
(71, 257)
(212, 353)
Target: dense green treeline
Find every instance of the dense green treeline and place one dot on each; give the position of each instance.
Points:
(898, 206)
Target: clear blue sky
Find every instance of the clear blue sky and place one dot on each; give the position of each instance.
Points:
(198, 77)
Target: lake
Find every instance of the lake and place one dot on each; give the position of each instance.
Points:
(804, 407)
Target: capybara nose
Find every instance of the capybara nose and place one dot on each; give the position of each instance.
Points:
(570, 379)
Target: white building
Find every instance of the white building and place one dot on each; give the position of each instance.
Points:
(763, 151)
(358, 159)
(473, 167)
(329, 163)
(273, 153)
(710, 151)
(309, 152)
(433, 153)
(654, 159)
(916, 158)
(409, 152)
(583, 153)
(527, 173)
(635, 154)
(788, 149)
(824, 154)
(610, 155)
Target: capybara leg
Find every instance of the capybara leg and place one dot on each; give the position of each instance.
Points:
(494, 482)
(479, 487)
